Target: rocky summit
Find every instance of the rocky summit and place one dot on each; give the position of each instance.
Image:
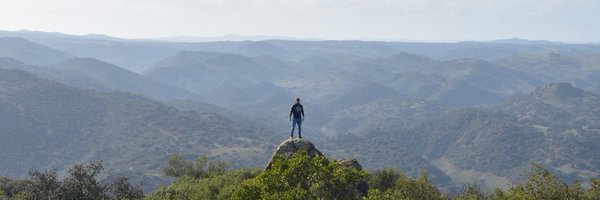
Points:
(293, 145)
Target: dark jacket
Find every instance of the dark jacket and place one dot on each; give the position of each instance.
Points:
(297, 110)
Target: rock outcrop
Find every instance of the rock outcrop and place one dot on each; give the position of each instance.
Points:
(362, 187)
(350, 162)
(291, 146)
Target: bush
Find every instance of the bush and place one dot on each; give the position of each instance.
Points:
(389, 184)
(122, 189)
(200, 179)
(216, 187)
(540, 184)
(302, 177)
(202, 168)
(382, 180)
(472, 192)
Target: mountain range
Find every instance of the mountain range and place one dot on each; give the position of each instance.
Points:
(466, 111)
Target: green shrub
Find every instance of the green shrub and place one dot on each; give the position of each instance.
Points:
(302, 177)
(385, 179)
(202, 168)
(215, 187)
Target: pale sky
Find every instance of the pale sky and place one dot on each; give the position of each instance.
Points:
(420, 20)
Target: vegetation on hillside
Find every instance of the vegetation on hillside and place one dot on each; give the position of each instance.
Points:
(296, 177)
(45, 123)
(202, 179)
(302, 177)
(81, 183)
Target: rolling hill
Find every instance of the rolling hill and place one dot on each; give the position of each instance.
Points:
(47, 124)
(89, 73)
(116, 78)
(554, 125)
(30, 52)
(567, 117)
(202, 72)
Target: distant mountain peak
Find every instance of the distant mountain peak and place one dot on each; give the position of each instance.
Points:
(30, 52)
(522, 41)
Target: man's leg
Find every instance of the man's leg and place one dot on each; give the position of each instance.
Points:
(293, 127)
(300, 128)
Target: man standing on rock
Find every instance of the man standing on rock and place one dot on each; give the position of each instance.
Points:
(298, 113)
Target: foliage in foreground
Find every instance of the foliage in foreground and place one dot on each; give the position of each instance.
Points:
(296, 177)
(202, 168)
(81, 183)
(390, 184)
(220, 186)
(540, 184)
(303, 177)
(200, 179)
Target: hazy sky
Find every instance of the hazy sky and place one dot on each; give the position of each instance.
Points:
(424, 20)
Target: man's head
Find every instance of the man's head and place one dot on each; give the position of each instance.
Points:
(297, 99)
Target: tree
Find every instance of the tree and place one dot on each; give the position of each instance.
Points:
(472, 191)
(419, 188)
(383, 180)
(389, 184)
(42, 185)
(122, 189)
(177, 166)
(594, 191)
(10, 188)
(543, 184)
(202, 168)
(81, 183)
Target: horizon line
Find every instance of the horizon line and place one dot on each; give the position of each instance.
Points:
(265, 37)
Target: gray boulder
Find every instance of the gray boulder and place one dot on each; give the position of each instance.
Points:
(291, 146)
(350, 162)
(362, 187)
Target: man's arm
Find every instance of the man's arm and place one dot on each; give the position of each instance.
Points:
(302, 113)
(291, 111)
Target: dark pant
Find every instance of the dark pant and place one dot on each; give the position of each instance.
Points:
(299, 122)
